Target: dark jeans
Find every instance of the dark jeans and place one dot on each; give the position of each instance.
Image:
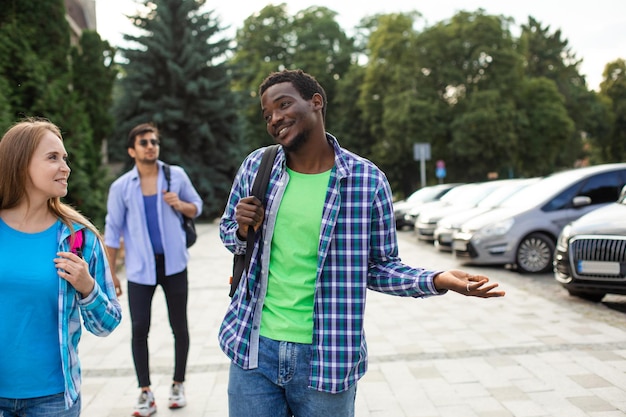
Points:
(140, 297)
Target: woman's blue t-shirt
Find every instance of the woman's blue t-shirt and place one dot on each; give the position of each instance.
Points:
(29, 293)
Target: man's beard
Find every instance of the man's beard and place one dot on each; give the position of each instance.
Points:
(149, 161)
(297, 142)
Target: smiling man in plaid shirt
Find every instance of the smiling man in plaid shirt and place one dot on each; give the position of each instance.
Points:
(294, 328)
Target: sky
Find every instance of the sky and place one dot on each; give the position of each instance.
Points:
(596, 31)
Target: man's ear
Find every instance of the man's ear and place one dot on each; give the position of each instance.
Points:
(318, 101)
(132, 153)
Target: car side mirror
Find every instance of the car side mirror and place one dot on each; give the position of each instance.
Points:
(622, 195)
(581, 201)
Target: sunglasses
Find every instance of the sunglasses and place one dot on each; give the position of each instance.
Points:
(144, 142)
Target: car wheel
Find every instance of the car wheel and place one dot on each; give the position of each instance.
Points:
(589, 296)
(534, 253)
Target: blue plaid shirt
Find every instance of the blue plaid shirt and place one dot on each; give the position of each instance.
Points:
(100, 311)
(357, 250)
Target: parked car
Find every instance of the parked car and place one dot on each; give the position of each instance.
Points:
(590, 258)
(465, 197)
(523, 230)
(401, 208)
(451, 223)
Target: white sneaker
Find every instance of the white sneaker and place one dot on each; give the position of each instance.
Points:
(177, 396)
(146, 406)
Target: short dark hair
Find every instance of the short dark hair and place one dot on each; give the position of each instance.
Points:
(140, 130)
(305, 83)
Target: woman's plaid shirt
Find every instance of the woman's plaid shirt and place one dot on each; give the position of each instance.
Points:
(357, 250)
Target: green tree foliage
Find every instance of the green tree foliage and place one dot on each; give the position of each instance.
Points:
(471, 65)
(544, 128)
(322, 48)
(5, 105)
(37, 80)
(599, 129)
(262, 49)
(175, 75)
(394, 107)
(485, 100)
(547, 54)
(612, 144)
(271, 40)
(485, 133)
(93, 75)
(348, 125)
(450, 85)
(93, 78)
(26, 76)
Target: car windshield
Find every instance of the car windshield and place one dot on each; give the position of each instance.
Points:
(540, 191)
(502, 193)
(467, 194)
(424, 194)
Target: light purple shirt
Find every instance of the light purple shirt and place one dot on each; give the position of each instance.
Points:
(126, 218)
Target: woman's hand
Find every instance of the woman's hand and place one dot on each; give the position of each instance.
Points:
(75, 270)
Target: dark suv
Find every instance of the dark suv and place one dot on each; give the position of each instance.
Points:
(590, 257)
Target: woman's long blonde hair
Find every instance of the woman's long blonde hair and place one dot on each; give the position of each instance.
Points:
(17, 147)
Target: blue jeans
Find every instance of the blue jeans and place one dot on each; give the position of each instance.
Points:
(279, 387)
(48, 406)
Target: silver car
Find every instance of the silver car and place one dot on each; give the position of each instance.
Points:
(523, 230)
(450, 223)
(404, 210)
(465, 198)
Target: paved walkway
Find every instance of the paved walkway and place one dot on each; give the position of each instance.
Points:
(449, 356)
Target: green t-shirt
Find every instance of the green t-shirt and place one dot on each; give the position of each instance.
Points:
(288, 306)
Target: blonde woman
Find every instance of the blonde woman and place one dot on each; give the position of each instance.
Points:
(46, 289)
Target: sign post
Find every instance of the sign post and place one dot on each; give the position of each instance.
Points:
(421, 152)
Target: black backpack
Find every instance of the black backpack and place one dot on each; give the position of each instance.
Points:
(188, 224)
(241, 263)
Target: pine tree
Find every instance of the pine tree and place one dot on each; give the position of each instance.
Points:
(176, 77)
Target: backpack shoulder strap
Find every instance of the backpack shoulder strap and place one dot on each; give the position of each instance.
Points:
(259, 188)
(78, 245)
(168, 176)
(261, 181)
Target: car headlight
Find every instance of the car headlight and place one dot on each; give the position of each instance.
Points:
(413, 212)
(496, 229)
(563, 241)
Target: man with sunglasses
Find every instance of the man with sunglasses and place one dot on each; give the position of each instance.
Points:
(146, 214)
